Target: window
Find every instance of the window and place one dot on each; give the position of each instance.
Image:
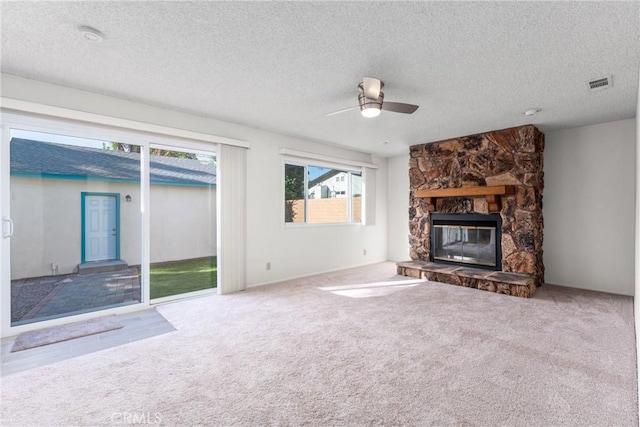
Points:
(322, 195)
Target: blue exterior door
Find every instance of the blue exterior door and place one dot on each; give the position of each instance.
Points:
(100, 227)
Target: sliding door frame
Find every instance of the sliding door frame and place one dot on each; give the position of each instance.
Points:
(171, 144)
(66, 127)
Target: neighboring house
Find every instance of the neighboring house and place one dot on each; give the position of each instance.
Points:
(74, 204)
(333, 184)
(327, 199)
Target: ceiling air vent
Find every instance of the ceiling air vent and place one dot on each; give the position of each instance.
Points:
(598, 84)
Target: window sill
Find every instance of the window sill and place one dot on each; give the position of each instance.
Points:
(294, 225)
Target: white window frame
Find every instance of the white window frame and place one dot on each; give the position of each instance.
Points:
(368, 182)
(306, 163)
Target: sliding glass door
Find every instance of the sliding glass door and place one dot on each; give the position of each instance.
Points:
(183, 221)
(74, 225)
(97, 218)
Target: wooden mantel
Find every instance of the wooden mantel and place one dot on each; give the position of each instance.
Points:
(492, 193)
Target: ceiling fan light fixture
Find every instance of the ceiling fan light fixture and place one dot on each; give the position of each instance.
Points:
(370, 107)
(371, 100)
(371, 110)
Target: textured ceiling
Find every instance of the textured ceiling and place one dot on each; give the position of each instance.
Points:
(471, 67)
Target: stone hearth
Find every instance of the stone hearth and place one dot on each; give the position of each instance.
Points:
(509, 165)
(516, 284)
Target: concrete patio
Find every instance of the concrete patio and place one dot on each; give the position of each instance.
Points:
(50, 297)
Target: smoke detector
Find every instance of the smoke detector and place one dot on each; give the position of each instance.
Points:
(91, 34)
(599, 84)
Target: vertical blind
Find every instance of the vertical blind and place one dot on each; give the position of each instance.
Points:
(232, 220)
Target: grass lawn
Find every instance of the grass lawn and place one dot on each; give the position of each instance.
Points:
(178, 277)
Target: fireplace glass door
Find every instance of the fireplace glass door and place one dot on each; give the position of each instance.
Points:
(465, 244)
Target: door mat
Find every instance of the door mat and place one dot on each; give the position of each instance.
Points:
(55, 334)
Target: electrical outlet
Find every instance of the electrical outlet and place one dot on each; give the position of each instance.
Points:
(364, 252)
(268, 266)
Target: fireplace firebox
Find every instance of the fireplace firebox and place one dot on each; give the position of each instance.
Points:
(467, 239)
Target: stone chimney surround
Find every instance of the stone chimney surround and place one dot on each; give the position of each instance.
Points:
(499, 171)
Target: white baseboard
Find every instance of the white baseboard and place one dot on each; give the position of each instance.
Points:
(588, 289)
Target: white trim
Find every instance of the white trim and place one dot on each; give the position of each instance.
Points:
(293, 225)
(322, 157)
(299, 161)
(193, 147)
(179, 297)
(145, 237)
(5, 243)
(64, 113)
(636, 298)
(65, 127)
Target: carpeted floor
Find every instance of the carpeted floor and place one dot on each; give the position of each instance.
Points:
(321, 351)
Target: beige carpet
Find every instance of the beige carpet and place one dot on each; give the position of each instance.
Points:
(416, 353)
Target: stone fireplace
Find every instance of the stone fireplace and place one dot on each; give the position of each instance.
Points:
(475, 216)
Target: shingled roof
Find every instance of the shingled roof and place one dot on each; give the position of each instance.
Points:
(49, 160)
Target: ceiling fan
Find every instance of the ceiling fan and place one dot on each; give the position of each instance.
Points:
(371, 100)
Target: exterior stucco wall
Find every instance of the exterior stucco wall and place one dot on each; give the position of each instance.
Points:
(183, 222)
(47, 218)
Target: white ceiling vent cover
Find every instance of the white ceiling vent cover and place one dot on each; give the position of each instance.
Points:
(599, 84)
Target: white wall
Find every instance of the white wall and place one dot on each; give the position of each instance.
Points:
(398, 208)
(300, 250)
(588, 207)
(292, 251)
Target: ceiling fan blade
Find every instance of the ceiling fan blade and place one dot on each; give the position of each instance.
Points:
(342, 111)
(371, 87)
(399, 107)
